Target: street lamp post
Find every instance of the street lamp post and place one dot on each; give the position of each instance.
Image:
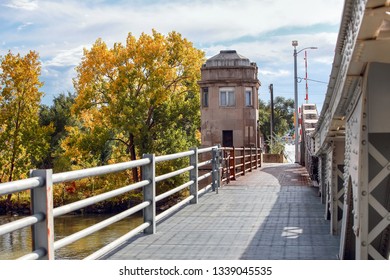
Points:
(295, 44)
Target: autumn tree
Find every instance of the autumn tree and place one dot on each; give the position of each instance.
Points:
(135, 98)
(23, 142)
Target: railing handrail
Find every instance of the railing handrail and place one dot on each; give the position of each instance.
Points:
(48, 179)
(173, 156)
(20, 185)
(71, 207)
(97, 171)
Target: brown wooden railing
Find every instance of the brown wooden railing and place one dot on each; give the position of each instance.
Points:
(238, 161)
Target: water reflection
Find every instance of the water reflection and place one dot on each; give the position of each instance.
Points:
(18, 243)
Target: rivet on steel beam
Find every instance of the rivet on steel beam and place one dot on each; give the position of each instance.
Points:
(364, 115)
(364, 128)
(363, 142)
(364, 193)
(364, 243)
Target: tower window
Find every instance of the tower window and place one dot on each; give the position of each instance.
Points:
(227, 97)
(205, 97)
(248, 97)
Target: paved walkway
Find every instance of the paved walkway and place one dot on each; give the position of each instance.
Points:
(272, 213)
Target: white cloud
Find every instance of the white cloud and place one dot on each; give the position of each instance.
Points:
(29, 5)
(275, 51)
(200, 21)
(24, 26)
(64, 58)
(324, 60)
(261, 30)
(59, 71)
(275, 74)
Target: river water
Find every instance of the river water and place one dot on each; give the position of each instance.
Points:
(18, 243)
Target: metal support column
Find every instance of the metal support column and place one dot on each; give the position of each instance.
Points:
(194, 176)
(322, 177)
(366, 224)
(42, 202)
(337, 185)
(216, 177)
(373, 241)
(149, 173)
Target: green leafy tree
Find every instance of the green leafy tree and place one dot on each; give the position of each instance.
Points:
(59, 116)
(283, 118)
(23, 142)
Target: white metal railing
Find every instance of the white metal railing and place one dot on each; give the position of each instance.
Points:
(41, 185)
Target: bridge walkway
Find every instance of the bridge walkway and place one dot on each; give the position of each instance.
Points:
(272, 213)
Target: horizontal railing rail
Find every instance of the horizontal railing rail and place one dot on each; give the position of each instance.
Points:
(97, 171)
(20, 185)
(41, 184)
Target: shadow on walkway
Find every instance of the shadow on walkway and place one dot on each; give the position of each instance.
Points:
(269, 214)
(293, 225)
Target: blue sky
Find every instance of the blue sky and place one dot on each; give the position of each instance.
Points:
(261, 30)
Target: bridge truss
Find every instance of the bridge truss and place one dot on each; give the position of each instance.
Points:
(348, 151)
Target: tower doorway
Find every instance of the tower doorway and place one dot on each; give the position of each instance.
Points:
(227, 138)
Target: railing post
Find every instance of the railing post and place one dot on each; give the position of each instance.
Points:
(261, 157)
(256, 158)
(243, 160)
(219, 158)
(149, 173)
(234, 163)
(250, 159)
(42, 202)
(215, 169)
(194, 174)
(227, 161)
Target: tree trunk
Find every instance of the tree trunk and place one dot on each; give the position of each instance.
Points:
(13, 159)
(133, 156)
(9, 196)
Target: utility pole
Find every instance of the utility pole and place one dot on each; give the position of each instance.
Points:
(271, 90)
(295, 44)
(307, 87)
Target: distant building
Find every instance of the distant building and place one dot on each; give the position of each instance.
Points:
(229, 101)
